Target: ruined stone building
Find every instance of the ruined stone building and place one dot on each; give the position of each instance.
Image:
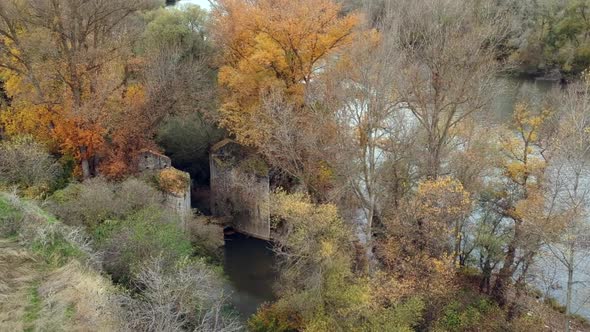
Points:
(152, 160)
(174, 184)
(240, 188)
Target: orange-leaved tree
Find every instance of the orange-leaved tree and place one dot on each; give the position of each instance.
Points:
(65, 65)
(269, 46)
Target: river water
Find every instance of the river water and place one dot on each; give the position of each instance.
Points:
(511, 89)
(249, 264)
(548, 272)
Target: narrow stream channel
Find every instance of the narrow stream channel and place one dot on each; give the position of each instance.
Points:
(249, 264)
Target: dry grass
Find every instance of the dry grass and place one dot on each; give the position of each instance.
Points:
(34, 297)
(75, 298)
(46, 278)
(17, 274)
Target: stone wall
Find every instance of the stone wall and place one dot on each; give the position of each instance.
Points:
(240, 188)
(175, 184)
(152, 160)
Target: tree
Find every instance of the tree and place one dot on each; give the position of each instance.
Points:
(317, 284)
(175, 62)
(569, 177)
(359, 91)
(66, 64)
(448, 64)
(272, 45)
(420, 239)
(521, 199)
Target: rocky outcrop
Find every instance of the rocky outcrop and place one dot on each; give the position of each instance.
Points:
(240, 188)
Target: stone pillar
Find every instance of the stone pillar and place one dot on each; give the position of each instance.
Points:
(176, 186)
(240, 188)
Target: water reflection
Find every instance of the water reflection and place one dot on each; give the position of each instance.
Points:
(511, 90)
(250, 266)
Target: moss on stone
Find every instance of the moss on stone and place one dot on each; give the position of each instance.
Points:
(254, 165)
(173, 181)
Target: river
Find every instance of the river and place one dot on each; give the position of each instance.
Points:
(249, 264)
(510, 90)
(548, 272)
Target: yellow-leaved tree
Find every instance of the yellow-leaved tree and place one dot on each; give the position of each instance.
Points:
(269, 46)
(522, 197)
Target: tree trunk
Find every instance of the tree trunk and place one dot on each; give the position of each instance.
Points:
(85, 163)
(458, 239)
(503, 278)
(484, 284)
(570, 286)
(433, 159)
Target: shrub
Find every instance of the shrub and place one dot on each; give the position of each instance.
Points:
(96, 200)
(554, 304)
(85, 204)
(274, 318)
(26, 165)
(150, 232)
(206, 237)
(187, 296)
(10, 219)
(134, 194)
(479, 313)
(173, 181)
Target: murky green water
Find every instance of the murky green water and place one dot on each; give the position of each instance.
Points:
(249, 264)
(511, 90)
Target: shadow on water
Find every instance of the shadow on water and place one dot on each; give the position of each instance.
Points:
(249, 264)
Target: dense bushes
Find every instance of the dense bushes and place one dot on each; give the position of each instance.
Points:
(97, 200)
(146, 234)
(26, 165)
(186, 296)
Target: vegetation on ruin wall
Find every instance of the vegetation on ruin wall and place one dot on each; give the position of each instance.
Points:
(173, 181)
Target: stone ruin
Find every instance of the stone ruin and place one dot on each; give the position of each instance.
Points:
(175, 184)
(240, 188)
(152, 160)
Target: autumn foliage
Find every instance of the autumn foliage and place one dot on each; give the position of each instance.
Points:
(73, 81)
(272, 45)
